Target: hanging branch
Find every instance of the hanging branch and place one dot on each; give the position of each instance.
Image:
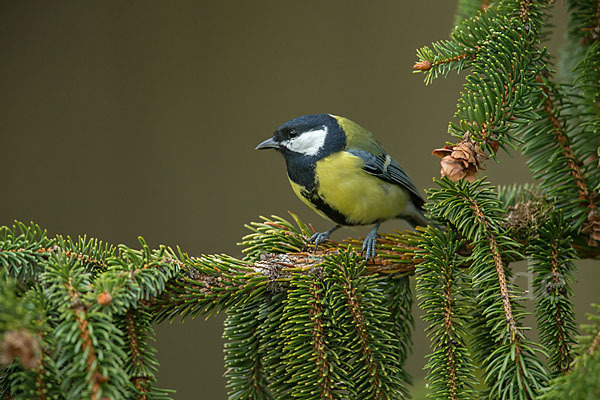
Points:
(357, 311)
(243, 365)
(552, 263)
(271, 347)
(25, 340)
(441, 287)
(102, 375)
(308, 355)
(399, 300)
(289, 337)
(583, 63)
(140, 363)
(582, 382)
(512, 368)
(546, 139)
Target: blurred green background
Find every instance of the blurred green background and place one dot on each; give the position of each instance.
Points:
(121, 119)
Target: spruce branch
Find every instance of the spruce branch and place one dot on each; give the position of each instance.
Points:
(358, 323)
(135, 276)
(441, 287)
(496, 101)
(469, 8)
(274, 256)
(466, 41)
(309, 358)
(272, 345)
(512, 369)
(372, 300)
(91, 252)
(213, 283)
(557, 141)
(497, 91)
(362, 333)
(79, 289)
(399, 298)
(243, 365)
(583, 63)
(274, 235)
(583, 380)
(318, 342)
(556, 129)
(82, 325)
(557, 145)
(552, 262)
(140, 363)
(22, 249)
(42, 379)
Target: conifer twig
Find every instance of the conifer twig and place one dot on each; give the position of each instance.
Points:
(96, 379)
(318, 341)
(563, 142)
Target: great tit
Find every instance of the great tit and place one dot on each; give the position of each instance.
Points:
(343, 173)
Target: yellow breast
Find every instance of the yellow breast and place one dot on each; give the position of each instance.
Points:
(361, 197)
(298, 190)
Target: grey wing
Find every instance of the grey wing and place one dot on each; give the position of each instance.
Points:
(386, 168)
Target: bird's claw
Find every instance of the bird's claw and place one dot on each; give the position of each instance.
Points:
(318, 238)
(369, 245)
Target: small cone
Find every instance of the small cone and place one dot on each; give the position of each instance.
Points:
(462, 160)
(423, 65)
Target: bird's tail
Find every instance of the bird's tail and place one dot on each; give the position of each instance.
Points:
(415, 217)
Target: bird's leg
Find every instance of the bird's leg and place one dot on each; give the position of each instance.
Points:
(370, 242)
(320, 237)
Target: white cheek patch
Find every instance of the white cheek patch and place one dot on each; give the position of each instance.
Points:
(309, 143)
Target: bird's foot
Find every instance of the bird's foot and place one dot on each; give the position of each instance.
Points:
(320, 237)
(369, 244)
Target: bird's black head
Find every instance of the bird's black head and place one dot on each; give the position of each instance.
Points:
(310, 136)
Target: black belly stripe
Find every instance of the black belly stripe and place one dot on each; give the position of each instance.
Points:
(305, 177)
(325, 208)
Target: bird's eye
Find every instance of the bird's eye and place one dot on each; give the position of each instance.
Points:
(293, 133)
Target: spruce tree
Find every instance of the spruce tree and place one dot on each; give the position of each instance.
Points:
(77, 315)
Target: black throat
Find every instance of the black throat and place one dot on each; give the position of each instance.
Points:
(301, 170)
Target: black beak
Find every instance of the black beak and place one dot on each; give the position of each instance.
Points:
(270, 143)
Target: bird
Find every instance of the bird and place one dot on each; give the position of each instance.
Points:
(340, 170)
